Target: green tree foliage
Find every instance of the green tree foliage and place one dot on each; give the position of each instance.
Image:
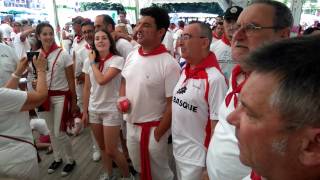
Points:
(212, 8)
(101, 6)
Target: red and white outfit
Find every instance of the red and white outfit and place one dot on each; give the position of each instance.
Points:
(222, 50)
(103, 98)
(150, 80)
(196, 100)
(59, 102)
(223, 161)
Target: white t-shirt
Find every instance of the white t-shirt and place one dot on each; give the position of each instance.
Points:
(223, 54)
(223, 161)
(59, 81)
(39, 125)
(76, 46)
(190, 113)
(15, 124)
(8, 63)
(104, 98)
(21, 47)
(82, 54)
(124, 47)
(149, 81)
(168, 42)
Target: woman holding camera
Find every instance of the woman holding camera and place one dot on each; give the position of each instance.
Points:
(61, 103)
(18, 156)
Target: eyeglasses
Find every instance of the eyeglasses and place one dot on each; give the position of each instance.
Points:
(251, 28)
(185, 37)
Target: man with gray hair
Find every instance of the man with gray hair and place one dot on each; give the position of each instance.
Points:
(261, 22)
(277, 120)
(196, 100)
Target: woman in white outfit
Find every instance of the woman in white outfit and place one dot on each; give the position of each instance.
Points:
(102, 83)
(62, 100)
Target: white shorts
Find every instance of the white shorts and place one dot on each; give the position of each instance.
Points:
(106, 119)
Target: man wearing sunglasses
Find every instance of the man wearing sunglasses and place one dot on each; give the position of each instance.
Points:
(196, 100)
(261, 22)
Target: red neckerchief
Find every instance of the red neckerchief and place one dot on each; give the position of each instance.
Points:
(79, 38)
(236, 71)
(225, 39)
(53, 47)
(102, 61)
(209, 61)
(214, 34)
(87, 46)
(255, 176)
(159, 50)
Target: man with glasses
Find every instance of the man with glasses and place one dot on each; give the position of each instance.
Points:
(261, 22)
(222, 48)
(196, 100)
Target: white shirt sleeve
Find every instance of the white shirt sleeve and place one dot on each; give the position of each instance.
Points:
(86, 66)
(216, 94)
(124, 47)
(12, 100)
(66, 59)
(117, 62)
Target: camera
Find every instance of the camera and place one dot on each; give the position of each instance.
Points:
(31, 54)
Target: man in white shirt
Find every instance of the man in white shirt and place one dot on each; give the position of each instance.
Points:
(196, 100)
(149, 76)
(260, 22)
(222, 48)
(6, 30)
(277, 119)
(8, 63)
(20, 41)
(123, 46)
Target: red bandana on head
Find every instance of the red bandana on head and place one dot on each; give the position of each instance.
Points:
(53, 47)
(225, 39)
(209, 61)
(159, 50)
(102, 61)
(236, 71)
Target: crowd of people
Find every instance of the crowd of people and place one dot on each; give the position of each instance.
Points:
(238, 101)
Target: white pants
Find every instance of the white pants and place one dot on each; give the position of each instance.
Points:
(79, 91)
(27, 170)
(60, 142)
(188, 171)
(158, 152)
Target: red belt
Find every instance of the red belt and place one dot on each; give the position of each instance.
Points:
(144, 148)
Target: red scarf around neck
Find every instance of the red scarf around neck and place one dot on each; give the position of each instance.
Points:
(236, 71)
(159, 50)
(225, 39)
(53, 47)
(255, 176)
(209, 61)
(102, 61)
(79, 38)
(214, 34)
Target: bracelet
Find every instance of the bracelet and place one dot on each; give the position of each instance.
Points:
(15, 76)
(92, 62)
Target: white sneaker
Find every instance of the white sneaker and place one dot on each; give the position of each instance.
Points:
(96, 156)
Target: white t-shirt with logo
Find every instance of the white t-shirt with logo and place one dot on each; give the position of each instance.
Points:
(15, 124)
(190, 114)
(149, 81)
(223, 161)
(103, 98)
